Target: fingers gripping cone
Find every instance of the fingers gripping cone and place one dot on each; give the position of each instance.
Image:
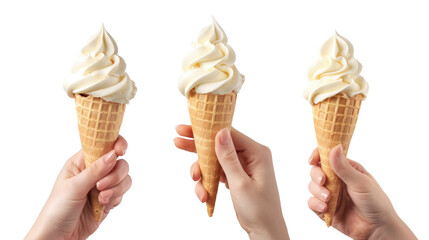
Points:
(99, 123)
(334, 121)
(209, 114)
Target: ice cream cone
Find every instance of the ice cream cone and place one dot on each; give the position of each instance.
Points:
(99, 123)
(334, 121)
(209, 114)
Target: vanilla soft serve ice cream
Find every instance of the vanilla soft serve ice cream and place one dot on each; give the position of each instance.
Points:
(100, 72)
(210, 68)
(336, 71)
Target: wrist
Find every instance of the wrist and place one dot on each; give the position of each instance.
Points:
(393, 229)
(37, 232)
(277, 231)
(41, 229)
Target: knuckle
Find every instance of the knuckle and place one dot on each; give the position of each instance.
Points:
(122, 165)
(312, 173)
(115, 180)
(309, 203)
(130, 182)
(263, 153)
(310, 186)
(266, 150)
(117, 201)
(96, 168)
(229, 155)
(125, 144)
(241, 184)
(71, 186)
(126, 165)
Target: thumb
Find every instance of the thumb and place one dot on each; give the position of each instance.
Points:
(87, 179)
(342, 167)
(227, 156)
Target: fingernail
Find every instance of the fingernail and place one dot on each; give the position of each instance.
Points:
(324, 195)
(109, 157)
(340, 151)
(124, 151)
(224, 137)
(320, 179)
(200, 196)
(321, 207)
(99, 185)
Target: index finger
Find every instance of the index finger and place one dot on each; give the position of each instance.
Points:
(243, 142)
(184, 130)
(315, 157)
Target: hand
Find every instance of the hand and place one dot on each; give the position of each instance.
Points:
(364, 211)
(67, 213)
(248, 173)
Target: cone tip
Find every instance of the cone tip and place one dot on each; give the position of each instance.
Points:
(210, 211)
(328, 221)
(97, 215)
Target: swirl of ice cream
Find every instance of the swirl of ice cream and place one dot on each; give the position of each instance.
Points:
(210, 68)
(337, 71)
(100, 72)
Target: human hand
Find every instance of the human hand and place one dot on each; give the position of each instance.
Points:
(67, 213)
(364, 211)
(248, 173)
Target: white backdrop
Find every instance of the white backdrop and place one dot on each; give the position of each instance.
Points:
(274, 41)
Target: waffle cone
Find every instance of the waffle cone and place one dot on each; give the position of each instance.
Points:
(209, 114)
(99, 123)
(334, 121)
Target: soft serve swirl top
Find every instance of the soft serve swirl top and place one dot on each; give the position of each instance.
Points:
(210, 68)
(100, 72)
(337, 71)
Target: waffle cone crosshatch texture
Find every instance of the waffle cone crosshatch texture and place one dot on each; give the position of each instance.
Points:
(209, 114)
(99, 122)
(334, 122)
